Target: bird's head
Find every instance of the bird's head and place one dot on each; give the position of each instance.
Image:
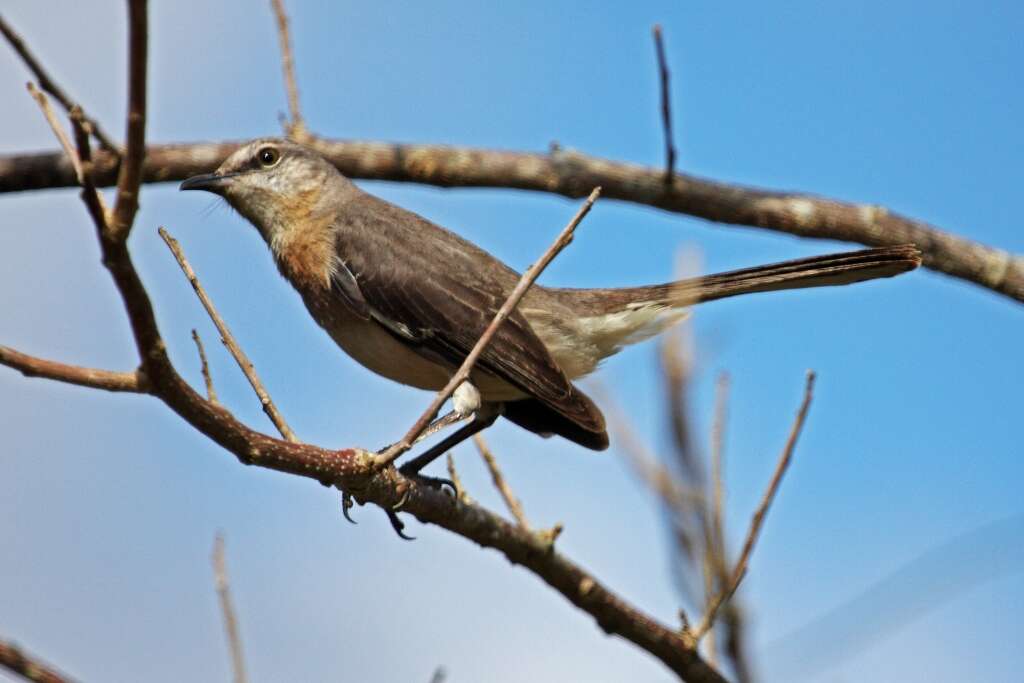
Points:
(276, 184)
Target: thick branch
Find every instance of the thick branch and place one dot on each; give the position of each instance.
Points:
(573, 175)
(130, 174)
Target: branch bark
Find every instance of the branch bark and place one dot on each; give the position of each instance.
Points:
(573, 174)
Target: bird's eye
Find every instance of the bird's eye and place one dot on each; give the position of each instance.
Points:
(268, 156)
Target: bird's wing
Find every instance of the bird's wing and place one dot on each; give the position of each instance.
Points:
(439, 296)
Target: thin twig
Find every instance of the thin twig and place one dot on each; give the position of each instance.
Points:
(715, 559)
(211, 393)
(17, 662)
(55, 125)
(229, 340)
(666, 105)
(227, 609)
(528, 278)
(740, 570)
(296, 127)
(453, 474)
(81, 159)
(130, 176)
(511, 502)
(49, 85)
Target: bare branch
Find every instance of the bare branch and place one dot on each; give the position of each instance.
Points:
(500, 483)
(740, 570)
(229, 340)
(30, 366)
(528, 278)
(17, 662)
(49, 85)
(227, 609)
(666, 104)
(453, 474)
(130, 175)
(55, 125)
(296, 126)
(211, 393)
(572, 174)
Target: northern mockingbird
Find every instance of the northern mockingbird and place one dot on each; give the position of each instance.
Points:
(408, 299)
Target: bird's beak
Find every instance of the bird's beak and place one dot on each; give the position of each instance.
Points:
(211, 182)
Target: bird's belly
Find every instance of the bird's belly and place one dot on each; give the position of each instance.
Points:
(375, 349)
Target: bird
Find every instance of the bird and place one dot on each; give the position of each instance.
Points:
(408, 299)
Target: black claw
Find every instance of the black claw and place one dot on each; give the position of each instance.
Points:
(347, 504)
(435, 482)
(398, 525)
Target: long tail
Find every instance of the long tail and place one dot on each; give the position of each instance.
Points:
(818, 271)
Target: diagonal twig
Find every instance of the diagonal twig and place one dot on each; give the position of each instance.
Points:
(227, 609)
(740, 570)
(666, 104)
(296, 126)
(229, 340)
(528, 278)
(28, 667)
(511, 502)
(47, 83)
(211, 393)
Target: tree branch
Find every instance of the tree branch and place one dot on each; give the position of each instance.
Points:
(130, 175)
(511, 502)
(17, 662)
(573, 174)
(227, 609)
(666, 104)
(229, 341)
(296, 126)
(31, 366)
(47, 83)
(740, 570)
(518, 292)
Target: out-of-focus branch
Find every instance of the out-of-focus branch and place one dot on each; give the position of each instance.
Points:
(25, 666)
(740, 569)
(500, 483)
(573, 174)
(517, 293)
(49, 85)
(229, 341)
(227, 609)
(666, 104)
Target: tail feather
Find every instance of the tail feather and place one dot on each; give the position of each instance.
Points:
(818, 271)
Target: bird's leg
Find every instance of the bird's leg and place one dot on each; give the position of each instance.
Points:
(482, 419)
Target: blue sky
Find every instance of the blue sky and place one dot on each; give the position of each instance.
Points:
(109, 504)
